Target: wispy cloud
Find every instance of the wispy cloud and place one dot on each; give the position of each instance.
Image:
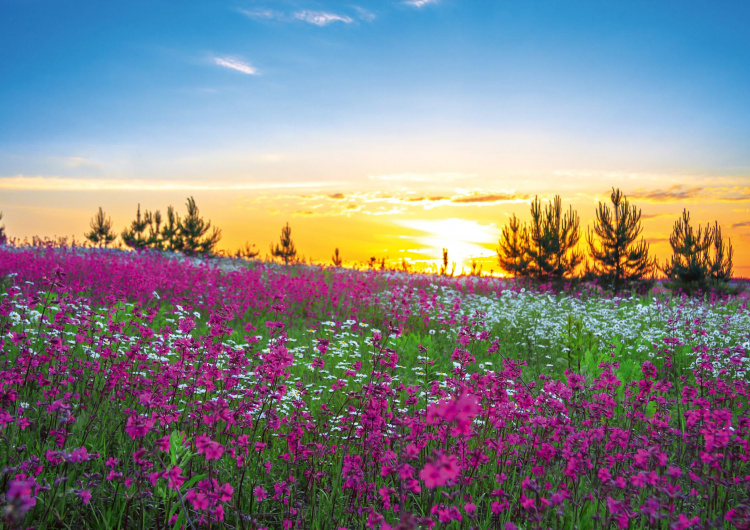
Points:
(420, 3)
(364, 14)
(741, 224)
(322, 18)
(491, 198)
(422, 177)
(40, 183)
(236, 64)
(263, 14)
(672, 194)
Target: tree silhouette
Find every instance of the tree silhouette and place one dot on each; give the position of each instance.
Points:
(336, 258)
(101, 229)
(247, 252)
(544, 249)
(193, 232)
(617, 257)
(3, 236)
(170, 232)
(698, 255)
(153, 222)
(285, 249)
(720, 261)
(444, 266)
(135, 236)
(553, 237)
(512, 254)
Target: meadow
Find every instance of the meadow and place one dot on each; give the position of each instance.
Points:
(139, 390)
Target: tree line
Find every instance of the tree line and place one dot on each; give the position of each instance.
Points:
(547, 247)
(191, 235)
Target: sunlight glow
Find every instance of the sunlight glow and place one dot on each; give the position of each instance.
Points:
(465, 240)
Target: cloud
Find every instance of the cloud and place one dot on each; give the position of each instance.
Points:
(674, 193)
(263, 14)
(492, 198)
(422, 177)
(236, 64)
(364, 14)
(741, 224)
(420, 3)
(322, 18)
(40, 183)
(336, 196)
(655, 215)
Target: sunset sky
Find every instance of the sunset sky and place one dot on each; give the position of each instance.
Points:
(389, 128)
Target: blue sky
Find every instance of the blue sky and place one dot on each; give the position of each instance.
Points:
(536, 96)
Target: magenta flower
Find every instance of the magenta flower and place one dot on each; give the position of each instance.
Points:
(440, 471)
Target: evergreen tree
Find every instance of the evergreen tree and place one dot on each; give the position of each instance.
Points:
(135, 236)
(101, 230)
(336, 258)
(618, 258)
(193, 232)
(553, 237)
(285, 249)
(3, 236)
(247, 252)
(544, 249)
(698, 255)
(512, 253)
(153, 222)
(444, 266)
(170, 232)
(720, 261)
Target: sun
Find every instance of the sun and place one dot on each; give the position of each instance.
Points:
(465, 240)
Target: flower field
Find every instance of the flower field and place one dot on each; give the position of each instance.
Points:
(142, 391)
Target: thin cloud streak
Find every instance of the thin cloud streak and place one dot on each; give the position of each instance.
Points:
(23, 183)
(322, 18)
(672, 194)
(236, 64)
(420, 3)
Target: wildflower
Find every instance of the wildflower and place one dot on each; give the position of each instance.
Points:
(260, 493)
(441, 470)
(174, 478)
(210, 449)
(85, 495)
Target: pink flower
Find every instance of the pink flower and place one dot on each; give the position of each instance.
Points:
(260, 493)
(85, 495)
(205, 446)
(440, 471)
(175, 478)
(163, 443)
(138, 426)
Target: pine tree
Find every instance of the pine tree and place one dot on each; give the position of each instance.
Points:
(698, 255)
(512, 253)
(720, 261)
(444, 266)
(285, 249)
(336, 258)
(553, 237)
(101, 230)
(135, 237)
(153, 222)
(544, 249)
(618, 258)
(3, 236)
(247, 252)
(170, 232)
(193, 232)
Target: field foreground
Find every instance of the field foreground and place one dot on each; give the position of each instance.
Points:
(152, 392)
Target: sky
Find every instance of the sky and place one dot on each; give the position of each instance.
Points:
(389, 128)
